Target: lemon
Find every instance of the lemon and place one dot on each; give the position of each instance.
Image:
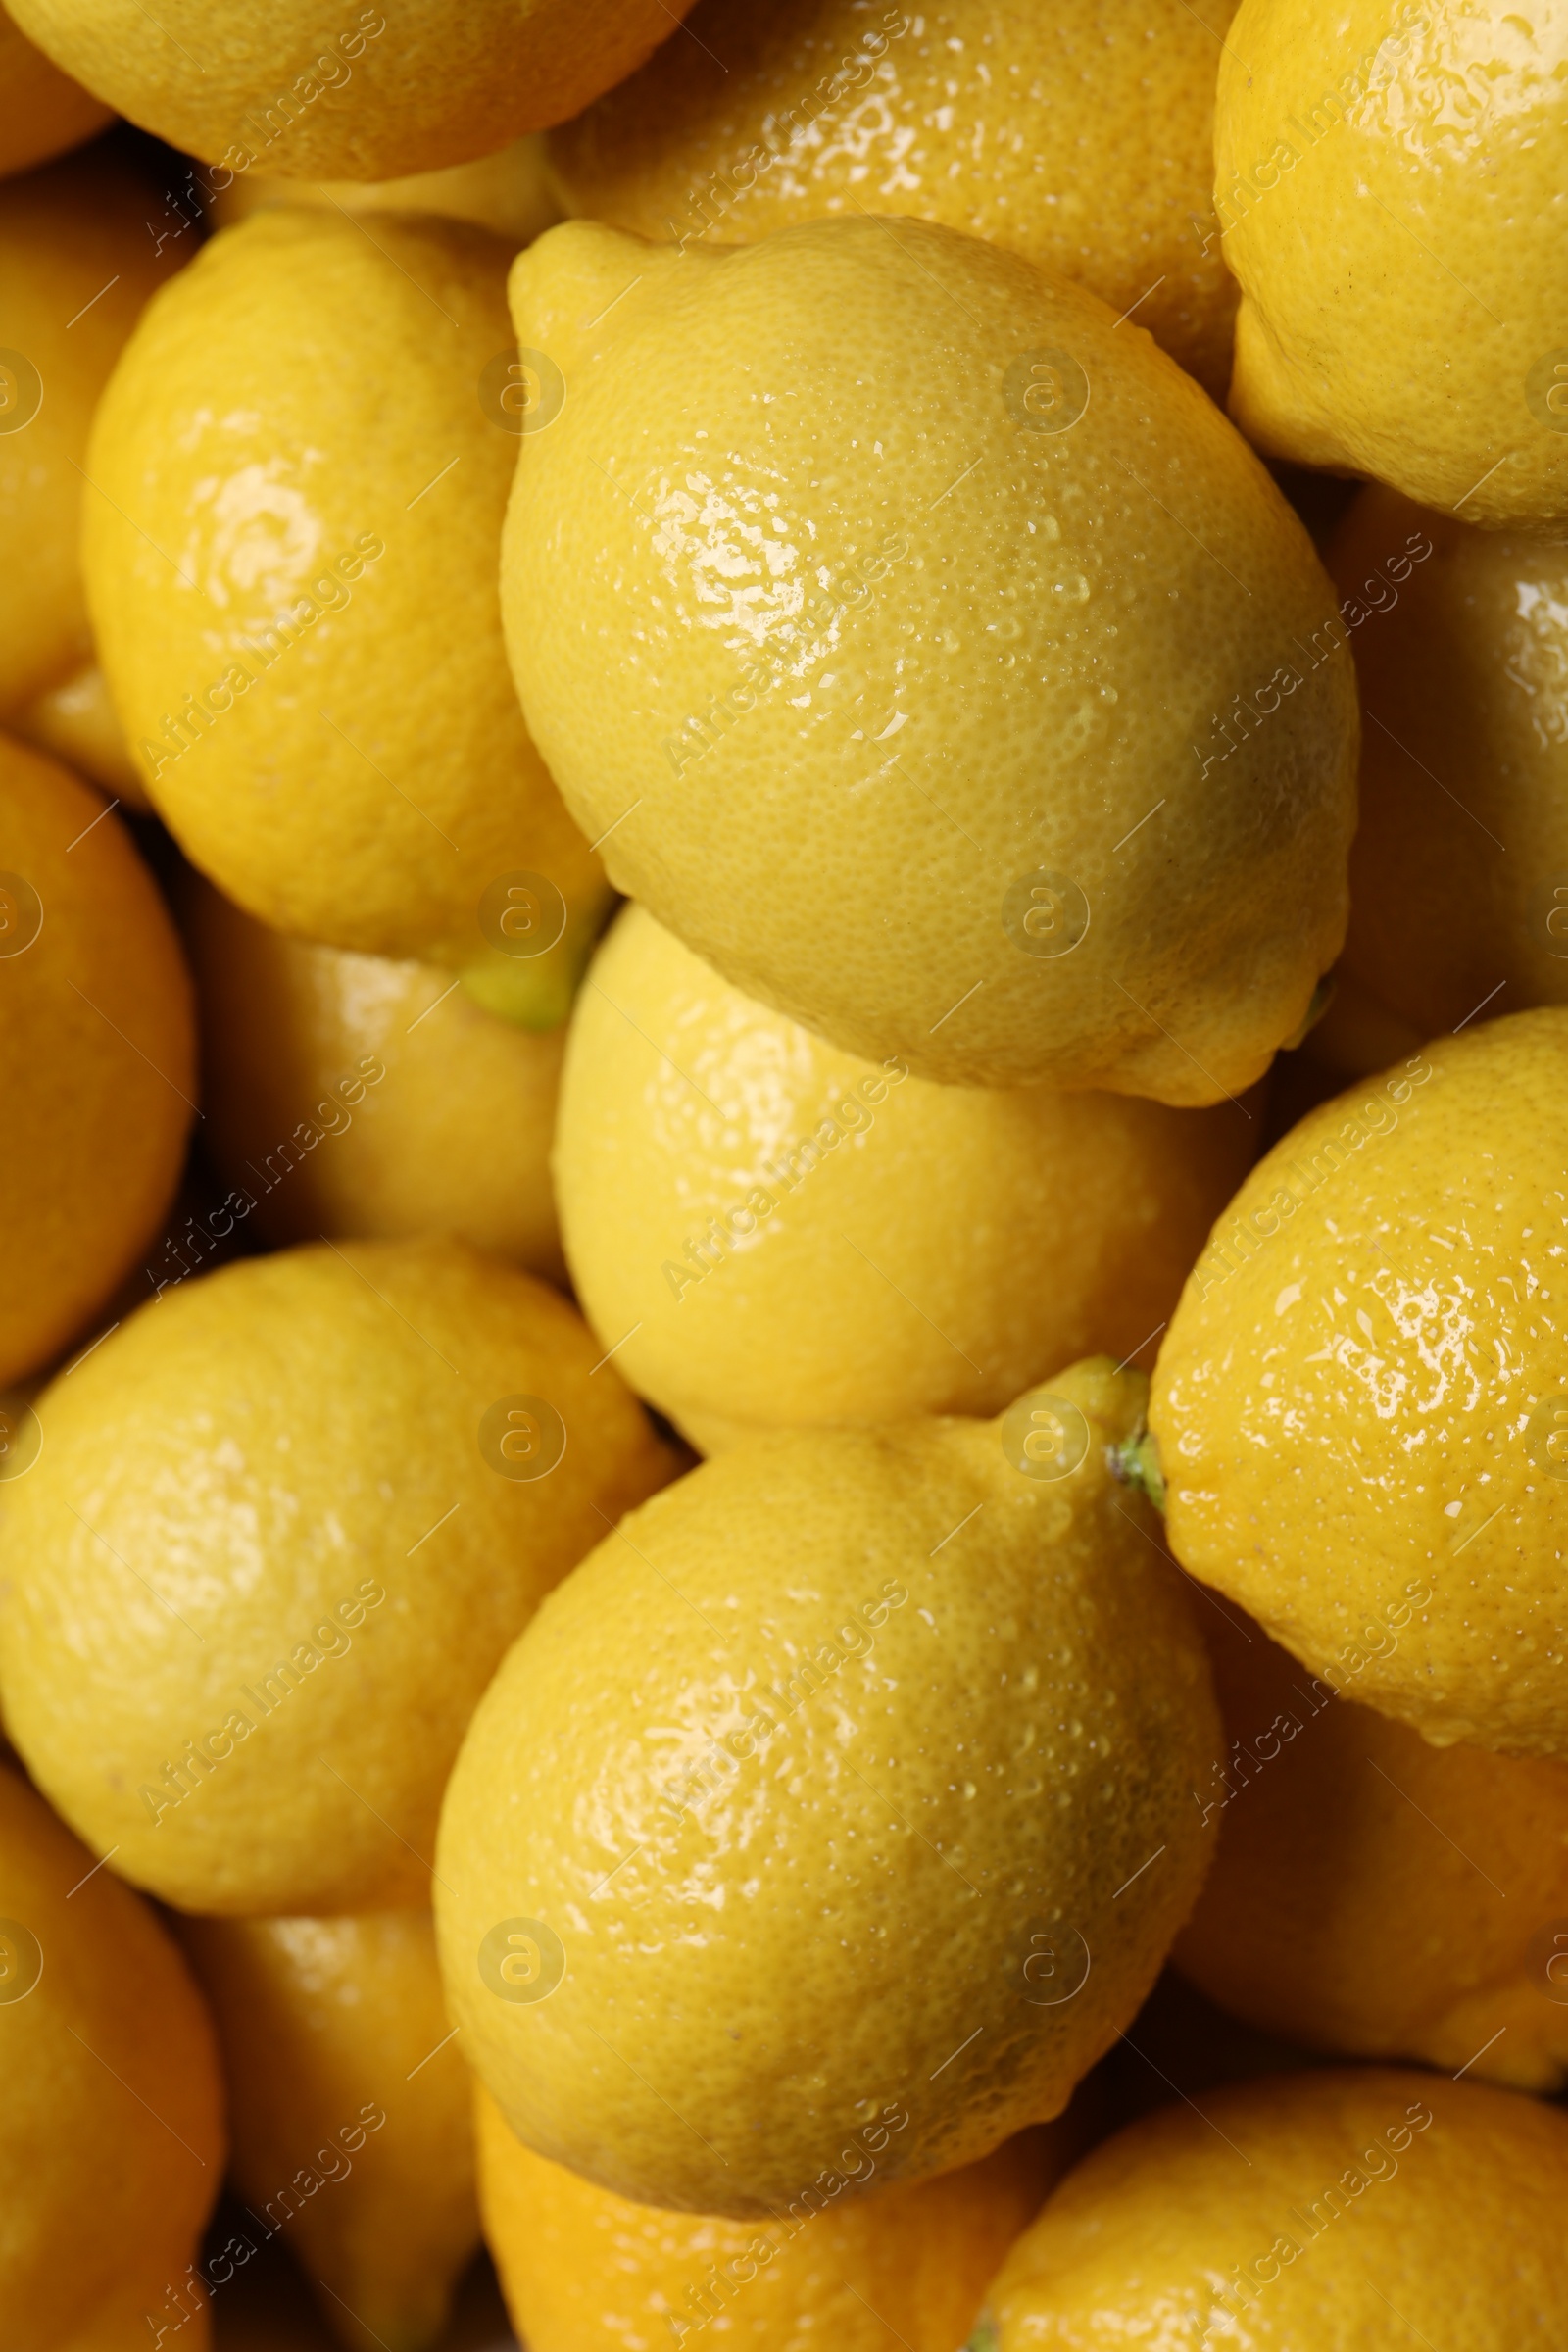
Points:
(585, 2271)
(1310, 2213)
(271, 83)
(284, 1526)
(508, 193)
(1085, 144)
(803, 496)
(43, 111)
(114, 2108)
(349, 2105)
(738, 1196)
(1389, 186)
(75, 722)
(891, 1727)
(293, 581)
(1372, 1893)
(351, 1095)
(1358, 1405)
(97, 1056)
(79, 265)
(1459, 871)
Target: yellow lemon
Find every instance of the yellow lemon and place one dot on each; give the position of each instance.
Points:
(1460, 872)
(586, 2270)
(351, 1095)
(1389, 188)
(508, 193)
(114, 2108)
(75, 722)
(889, 610)
(1081, 137)
(1373, 1893)
(770, 1232)
(1310, 2213)
(1360, 1406)
(284, 1526)
(293, 580)
(97, 1056)
(349, 2110)
(79, 265)
(43, 111)
(366, 96)
(894, 1728)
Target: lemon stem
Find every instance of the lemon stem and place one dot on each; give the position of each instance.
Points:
(1135, 1463)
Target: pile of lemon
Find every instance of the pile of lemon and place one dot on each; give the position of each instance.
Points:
(784, 1196)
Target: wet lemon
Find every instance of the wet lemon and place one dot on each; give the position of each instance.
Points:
(284, 1524)
(1303, 2214)
(1081, 141)
(1387, 184)
(1360, 1403)
(331, 737)
(844, 1715)
(928, 653)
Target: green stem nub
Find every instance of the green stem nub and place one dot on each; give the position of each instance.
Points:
(1135, 1463)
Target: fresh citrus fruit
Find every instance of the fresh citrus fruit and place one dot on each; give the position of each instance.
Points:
(866, 478)
(351, 1095)
(97, 1056)
(893, 1726)
(332, 736)
(738, 1196)
(284, 1524)
(1310, 2213)
(1083, 142)
(114, 2109)
(1389, 188)
(349, 2110)
(75, 722)
(79, 265)
(1359, 1406)
(267, 83)
(43, 111)
(1460, 872)
(1375, 1894)
(585, 2271)
(508, 193)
